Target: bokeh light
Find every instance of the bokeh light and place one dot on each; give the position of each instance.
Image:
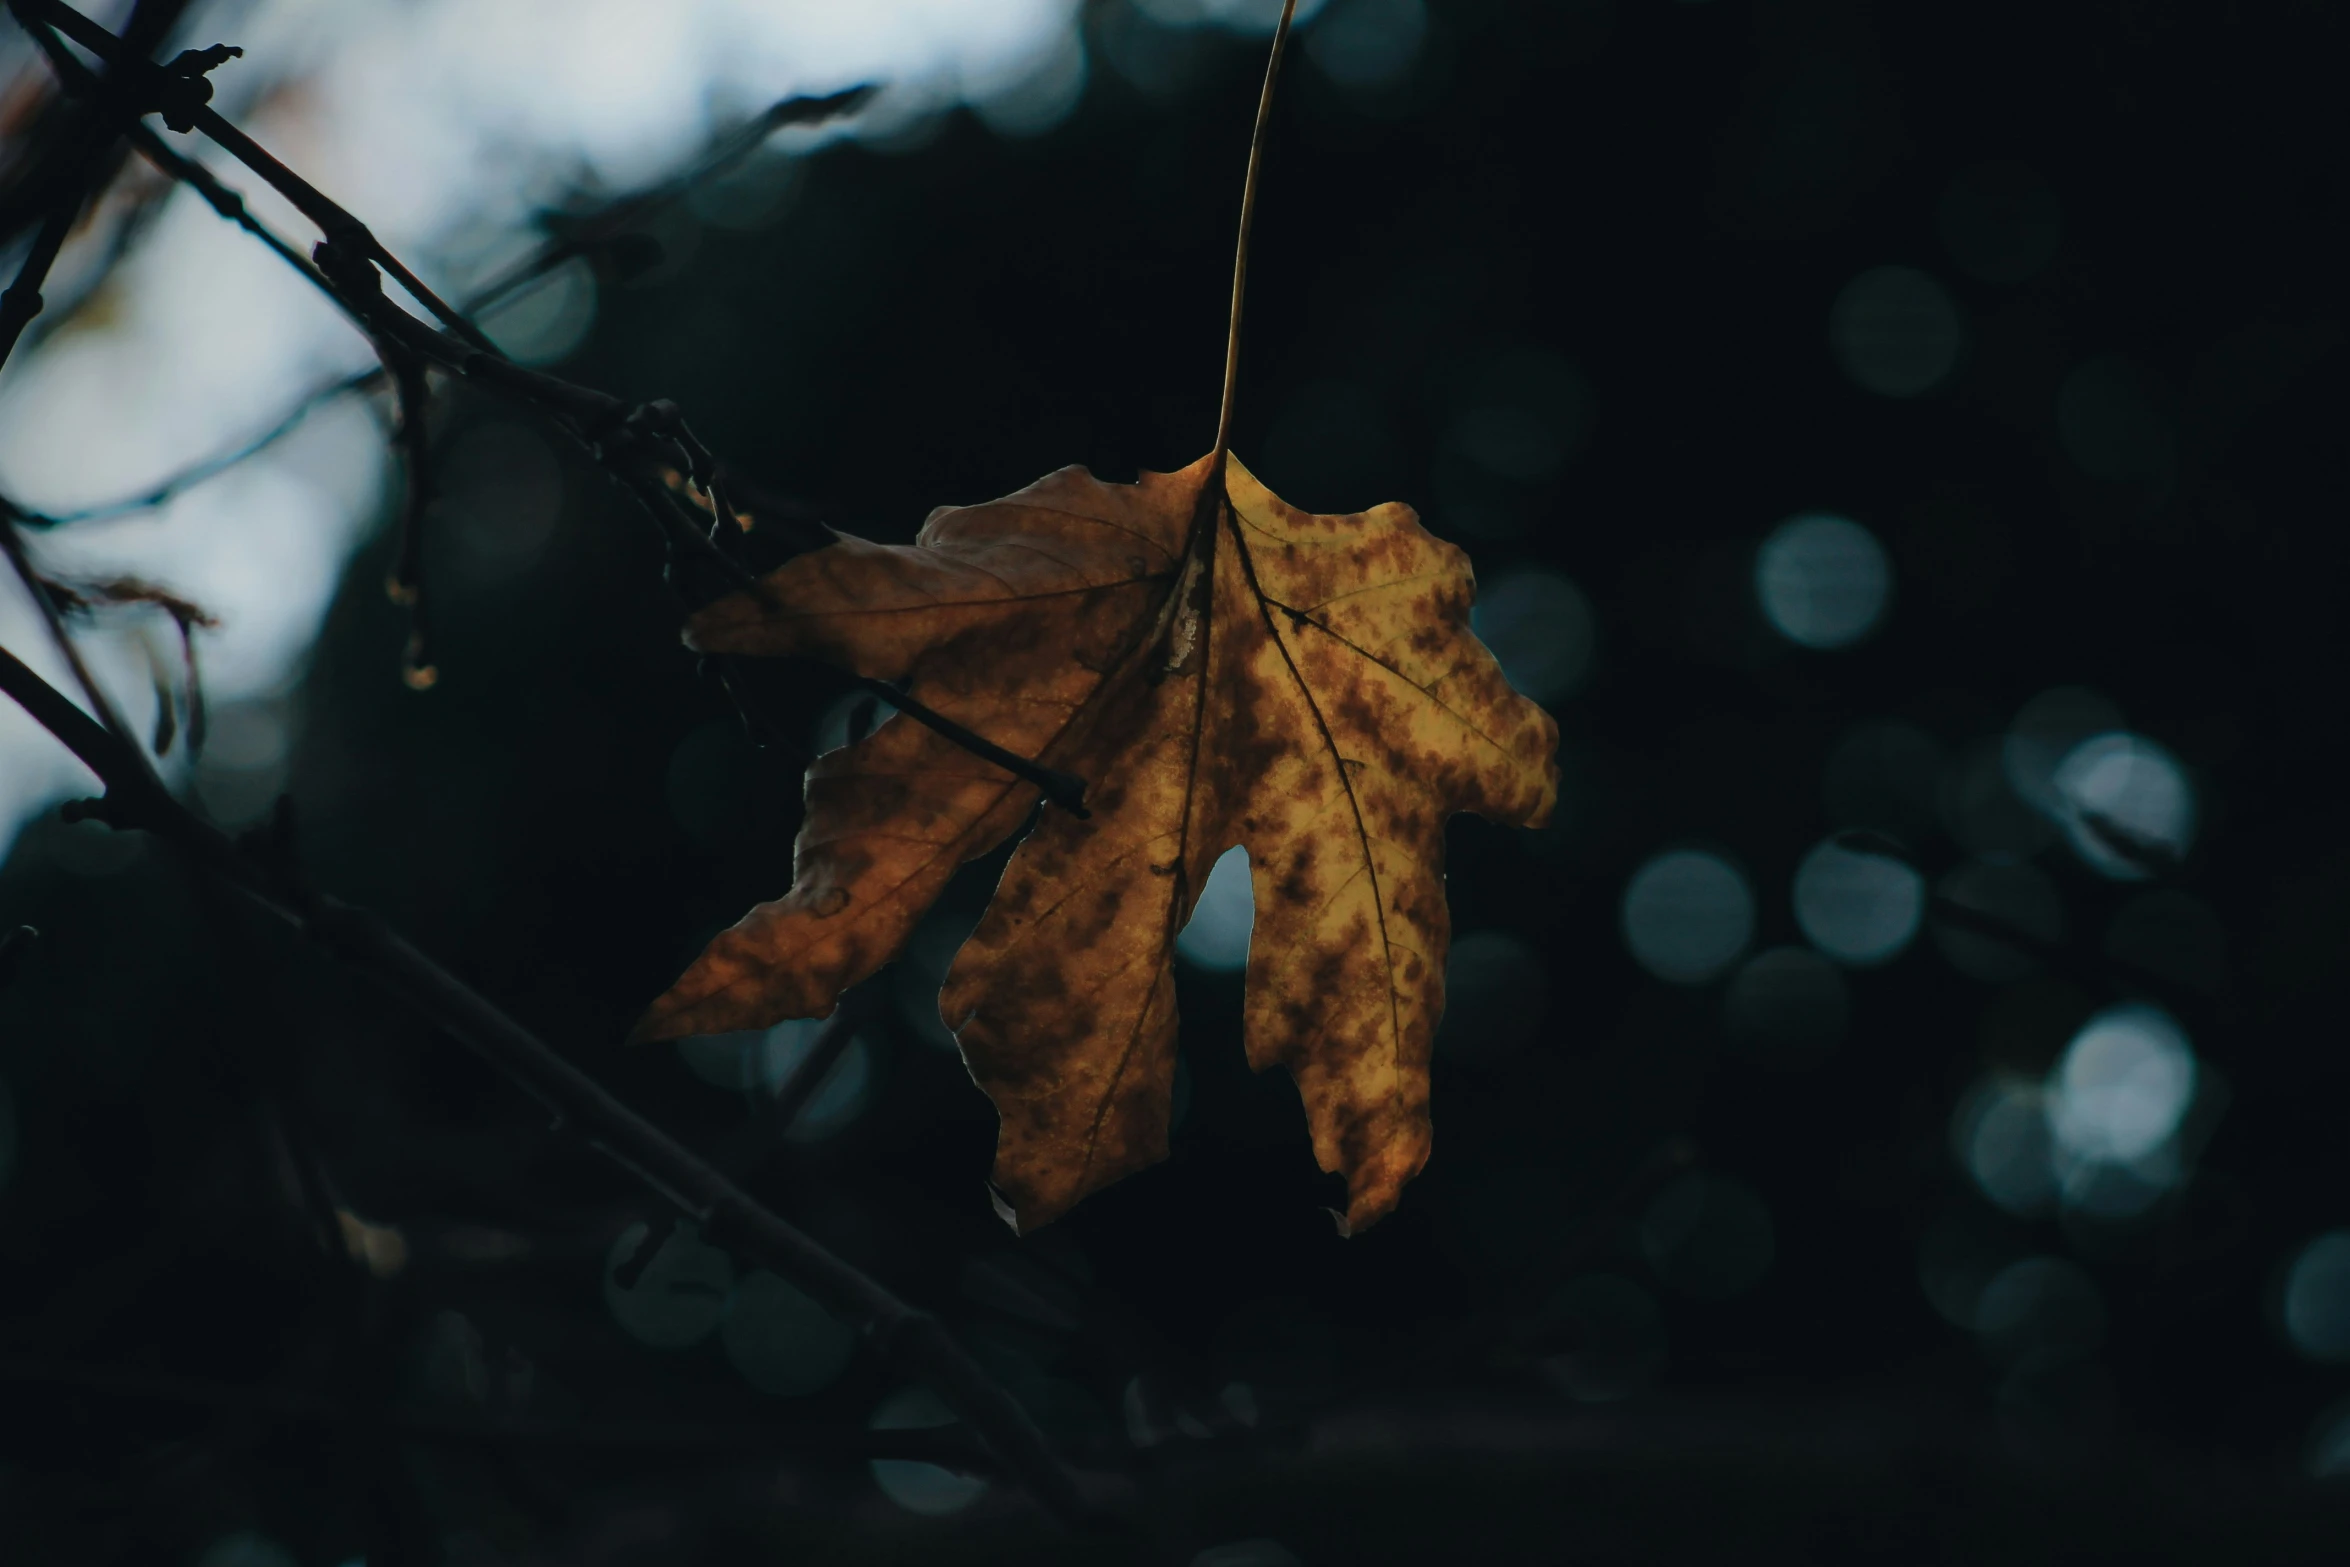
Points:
(2122, 1086)
(680, 1294)
(2111, 419)
(2001, 1137)
(2317, 1298)
(1494, 995)
(1895, 331)
(1027, 95)
(1614, 1337)
(1216, 936)
(502, 491)
(759, 1060)
(1524, 414)
(2329, 1451)
(1368, 43)
(838, 1100)
(2042, 1309)
(1708, 1236)
(1858, 907)
(1332, 448)
(1823, 581)
(1985, 814)
(1540, 628)
(2103, 1134)
(921, 969)
(2126, 806)
(728, 1061)
(1884, 775)
(1788, 1008)
(2001, 222)
(243, 769)
(1687, 915)
(1957, 1257)
(1517, 416)
(2017, 897)
(541, 322)
(918, 1487)
(2046, 730)
(780, 1340)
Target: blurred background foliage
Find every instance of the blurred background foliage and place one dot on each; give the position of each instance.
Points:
(1890, 1115)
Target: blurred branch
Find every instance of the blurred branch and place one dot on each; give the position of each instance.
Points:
(913, 1340)
(85, 144)
(413, 437)
(79, 80)
(22, 300)
(748, 1146)
(638, 446)
(406, 370)
(950, 1446)
(602, 229)
(177, 484)
(53, 620)
(45, 160)
(182, 96)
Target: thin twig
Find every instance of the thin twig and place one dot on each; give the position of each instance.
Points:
(808, 1074)
(638, 446)
(627, 213)
(338, 226)
(916, 1342)
(12, 545)
(600, 233)
(629, 441)
(86, 145)
(406, 586)
(174, 485)
(1065, 790)
(22, 301)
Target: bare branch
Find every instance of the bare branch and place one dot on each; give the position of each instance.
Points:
(180, 94)
(914, 1341)
(948, 1446)
(626, 214)
(586, 240)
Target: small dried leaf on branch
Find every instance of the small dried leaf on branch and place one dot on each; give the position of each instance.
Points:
(188, 617)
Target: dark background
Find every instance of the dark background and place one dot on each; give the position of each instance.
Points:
(1669, 197)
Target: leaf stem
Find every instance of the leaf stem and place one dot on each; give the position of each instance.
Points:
(1248, 214)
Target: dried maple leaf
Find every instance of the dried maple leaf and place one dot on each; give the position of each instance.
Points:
(1304, 686)
(1225, 670)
